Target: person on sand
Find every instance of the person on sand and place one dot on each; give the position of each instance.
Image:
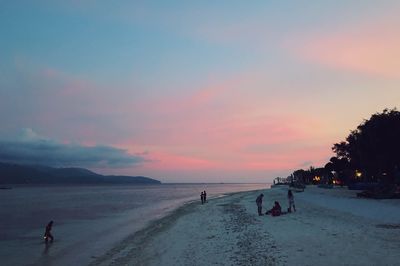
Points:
(202, 197)
(47, 233)
(276, 210)
(259, 204)
(291, 201)
(205, 196)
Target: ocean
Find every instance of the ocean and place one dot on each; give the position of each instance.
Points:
(88, 220)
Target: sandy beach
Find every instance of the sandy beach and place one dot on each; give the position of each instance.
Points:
(330, 227)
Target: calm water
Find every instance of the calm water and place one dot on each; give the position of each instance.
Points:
(88, 220)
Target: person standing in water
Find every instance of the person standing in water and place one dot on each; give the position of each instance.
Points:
(47, 233)
(259, 204)
(202, 197)
(291, 201)
(205, 196)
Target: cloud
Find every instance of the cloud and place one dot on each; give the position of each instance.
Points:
(30, 148)
(367, 49)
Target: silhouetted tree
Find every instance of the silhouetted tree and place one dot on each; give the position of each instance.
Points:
(307, 176)
(329, 166)
(374, 147)
(299, 176)
(341, 167)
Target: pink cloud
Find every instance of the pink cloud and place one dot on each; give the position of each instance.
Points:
(218, 126)
(226, 161)
(370, 49)
(222, 146)
(170, 161)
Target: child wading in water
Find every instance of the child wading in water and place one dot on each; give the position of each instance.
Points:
(47, 233)
(291, 201)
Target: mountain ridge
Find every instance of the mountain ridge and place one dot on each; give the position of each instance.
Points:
(11, 173)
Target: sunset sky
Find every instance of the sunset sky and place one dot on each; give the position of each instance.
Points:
(192, 91)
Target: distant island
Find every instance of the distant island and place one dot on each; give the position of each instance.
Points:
(34, 174)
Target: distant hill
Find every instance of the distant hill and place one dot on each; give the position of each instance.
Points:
(29, 174)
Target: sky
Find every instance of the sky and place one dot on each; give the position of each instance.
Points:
(192, 91)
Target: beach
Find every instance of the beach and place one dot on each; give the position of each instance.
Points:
(330, 227)
(88, 220)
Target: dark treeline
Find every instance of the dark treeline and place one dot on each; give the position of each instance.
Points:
(369, 154)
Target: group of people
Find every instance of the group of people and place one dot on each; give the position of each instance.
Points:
(276, 210)
(203, 197)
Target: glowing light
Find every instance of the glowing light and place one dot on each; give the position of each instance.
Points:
(317, 178)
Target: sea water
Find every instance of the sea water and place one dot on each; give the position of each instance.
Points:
(88, 220)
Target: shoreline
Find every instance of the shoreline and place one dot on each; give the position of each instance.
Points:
(228, 231)
(89, 221)
(133, 244)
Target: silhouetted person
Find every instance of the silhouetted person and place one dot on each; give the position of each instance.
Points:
(291, 201)
(276, 210)
(47, 233)
(202, 197)
(205, 196)
(259, 204)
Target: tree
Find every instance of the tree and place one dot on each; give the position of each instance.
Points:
(299, 176)
(341, 167)
(374, 147)
(306, 176)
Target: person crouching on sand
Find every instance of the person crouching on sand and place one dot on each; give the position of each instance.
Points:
(291, 201)
(276, 210)
(47, 233)
(259, 204)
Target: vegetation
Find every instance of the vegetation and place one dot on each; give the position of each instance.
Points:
(374, 147)
(370, 153)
